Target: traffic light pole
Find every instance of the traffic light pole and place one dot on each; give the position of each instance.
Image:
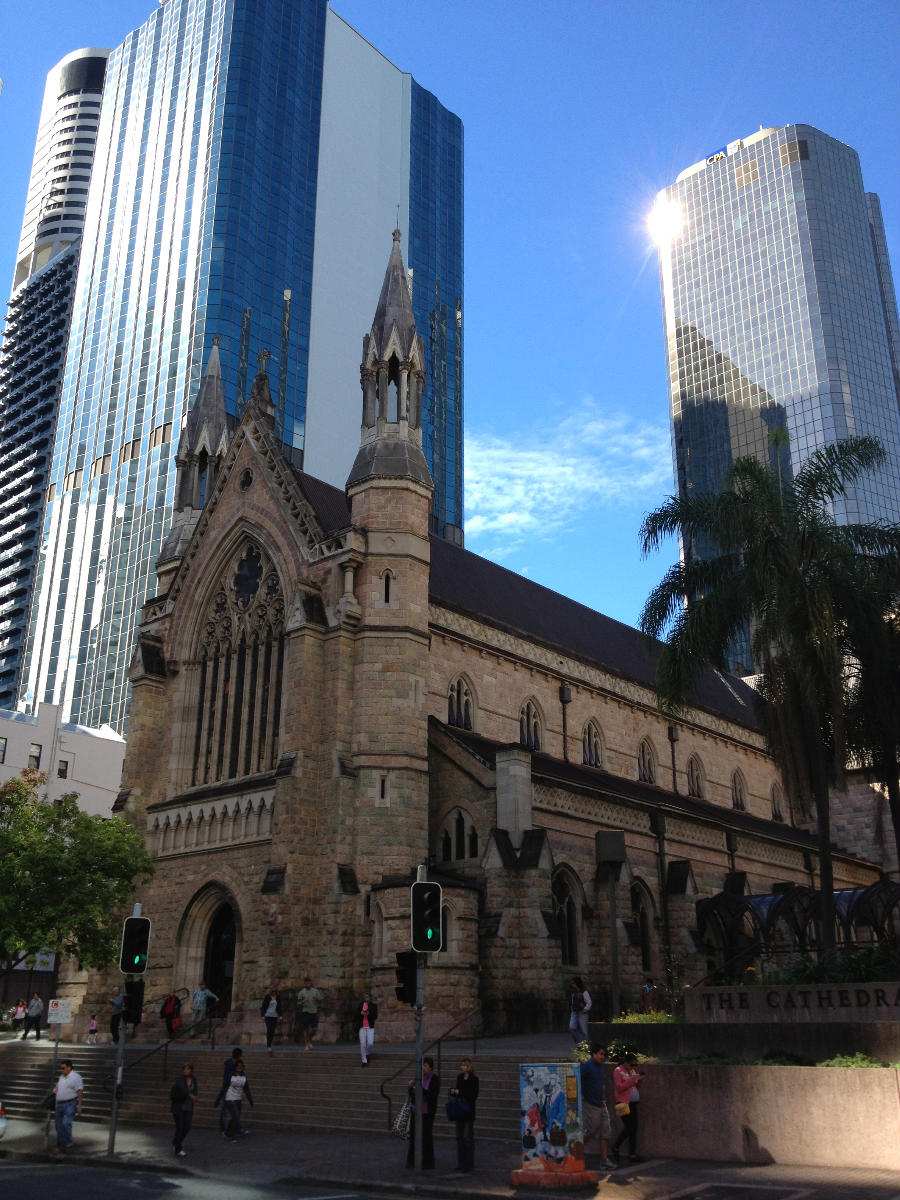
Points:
(420, 1047)
(120, 1064)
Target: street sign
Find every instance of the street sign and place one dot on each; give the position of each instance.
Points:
(59, 1012)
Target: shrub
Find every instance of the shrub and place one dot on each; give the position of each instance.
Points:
(850, 1060)
(852, 964)
(645, 1018)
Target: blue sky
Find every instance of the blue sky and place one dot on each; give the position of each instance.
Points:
(576, 113)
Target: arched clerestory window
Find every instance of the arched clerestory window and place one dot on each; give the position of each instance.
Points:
(777, 802)
(530, 725)
(646, 762)
(237, 676)
(695, 778)
(592, 745)
(738, 792)
(459, 704)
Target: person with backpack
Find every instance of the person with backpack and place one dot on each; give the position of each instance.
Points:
(182, 1095)
(579, 1007)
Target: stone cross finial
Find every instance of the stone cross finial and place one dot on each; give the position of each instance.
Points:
(263, 359)
(215, 339)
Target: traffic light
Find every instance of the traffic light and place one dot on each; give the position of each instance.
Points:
(425, 917)
(134, 1001)
(135, 945)
(407, 961)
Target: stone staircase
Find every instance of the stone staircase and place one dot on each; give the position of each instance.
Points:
(326, 1089)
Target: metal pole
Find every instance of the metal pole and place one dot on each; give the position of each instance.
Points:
(613, 939)
(117, 1084)
(420, 1048)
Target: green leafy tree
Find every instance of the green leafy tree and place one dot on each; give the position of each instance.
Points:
(65, 876)
(780, 566)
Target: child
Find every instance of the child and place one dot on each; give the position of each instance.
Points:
(91, 1039)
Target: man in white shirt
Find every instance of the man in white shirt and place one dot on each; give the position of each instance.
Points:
(69, 1091)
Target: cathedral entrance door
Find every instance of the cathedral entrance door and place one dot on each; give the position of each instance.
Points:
(219, 959)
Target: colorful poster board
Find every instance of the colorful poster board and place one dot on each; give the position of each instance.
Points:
(552, 1131)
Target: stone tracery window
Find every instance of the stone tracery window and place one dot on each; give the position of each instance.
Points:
(459, 704)
(567, 909)
(238, 673)
(592, 745)
(530, 726)
(646, 762)
(695, 778)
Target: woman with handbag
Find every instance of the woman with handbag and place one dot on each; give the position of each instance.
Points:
(431, 1088)
(626, 1081)
(465, 1093)
(170, 1012)
(270, 1011)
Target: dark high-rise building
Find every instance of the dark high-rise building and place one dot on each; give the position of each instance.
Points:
(253, 156)
(779, 310)
(37, 326)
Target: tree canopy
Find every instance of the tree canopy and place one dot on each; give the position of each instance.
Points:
(65, 876)
(779, 566)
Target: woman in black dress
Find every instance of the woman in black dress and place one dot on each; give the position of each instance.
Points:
(466, 1089)
(431, 1088)
(182, 1097)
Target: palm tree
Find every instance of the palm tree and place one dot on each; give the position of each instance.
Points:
(781, 567)
(872, 626)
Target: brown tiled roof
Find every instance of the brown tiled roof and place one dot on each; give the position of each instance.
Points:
(466, 583)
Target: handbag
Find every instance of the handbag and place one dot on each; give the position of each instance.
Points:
(400, 1127)
(177, 1022)
(49, 1101)
(623, 1108)
(457, 1109)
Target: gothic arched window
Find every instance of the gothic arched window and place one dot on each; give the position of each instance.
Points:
(696, 786)
(473, 842)
(237, 677)
(592, 745)
(460, 830)
(738, 792)
(777, 802)
(567, 909)
(646, 762)
(459, 704)
(642, 916)
(446, 847)
(530, 726)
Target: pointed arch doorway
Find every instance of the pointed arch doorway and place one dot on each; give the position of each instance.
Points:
(209, 943)
(221, 943)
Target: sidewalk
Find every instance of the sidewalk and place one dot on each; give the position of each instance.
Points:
(376, 1162)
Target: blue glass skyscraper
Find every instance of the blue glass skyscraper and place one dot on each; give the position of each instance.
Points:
(252, 157)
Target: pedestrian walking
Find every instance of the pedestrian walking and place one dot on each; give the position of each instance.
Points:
(200, 1004)
(93, 1029)
(170, 1012)
(238, 1088)
(69, 1091)
(626, 1082)
(597, 1126)
(33, 1014)
(182, 1095)
(309, 998)
(431, 1090)
(117, 1012)
(366, 1016)
(270, 1011)
(227, 1072)
(18, 1016)
(579, 1007)
(650, 997)
(466, 1089)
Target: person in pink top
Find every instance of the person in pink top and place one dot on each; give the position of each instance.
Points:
(626, 1082)
(366, 1016)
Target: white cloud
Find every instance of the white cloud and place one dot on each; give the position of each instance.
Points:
(534, 484)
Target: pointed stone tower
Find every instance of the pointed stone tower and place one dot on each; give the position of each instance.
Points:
(201, 450)
(390, 490)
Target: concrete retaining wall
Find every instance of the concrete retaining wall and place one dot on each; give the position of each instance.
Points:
(824, 1115)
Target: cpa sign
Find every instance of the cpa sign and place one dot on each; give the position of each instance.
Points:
(716, 155)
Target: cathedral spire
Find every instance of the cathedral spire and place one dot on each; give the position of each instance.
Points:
(392, 374)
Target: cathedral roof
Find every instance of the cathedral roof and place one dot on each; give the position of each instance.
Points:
(470, 584)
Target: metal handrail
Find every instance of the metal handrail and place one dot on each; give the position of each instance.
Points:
(438, 1041)
(163, 1047)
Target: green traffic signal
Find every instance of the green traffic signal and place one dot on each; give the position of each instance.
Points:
(425, 916)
